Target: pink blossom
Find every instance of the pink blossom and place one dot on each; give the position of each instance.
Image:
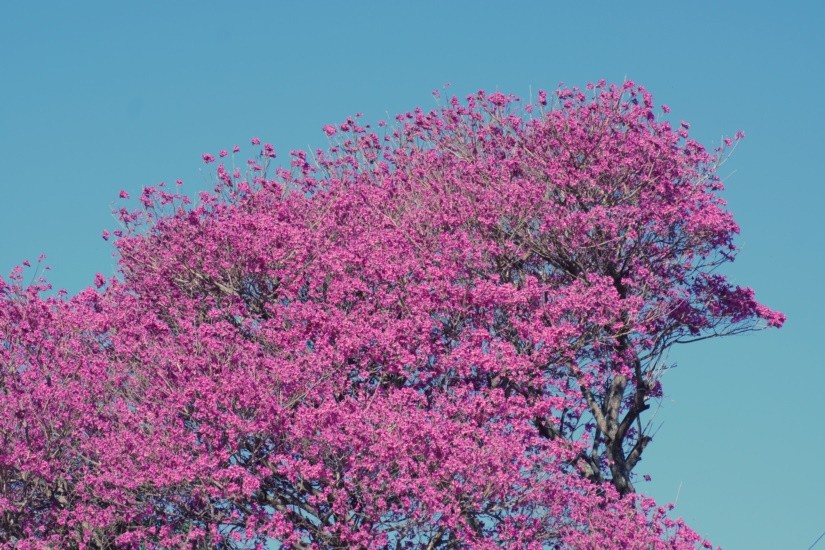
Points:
(498, 99)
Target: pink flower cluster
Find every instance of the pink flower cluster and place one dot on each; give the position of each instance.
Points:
(445, 336)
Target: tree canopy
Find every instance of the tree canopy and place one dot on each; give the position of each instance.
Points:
(440, 332)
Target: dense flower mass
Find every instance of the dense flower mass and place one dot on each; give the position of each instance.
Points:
(443, 334)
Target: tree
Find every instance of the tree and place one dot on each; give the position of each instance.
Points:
(440, 334)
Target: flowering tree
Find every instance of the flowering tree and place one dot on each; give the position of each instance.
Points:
(440, 334)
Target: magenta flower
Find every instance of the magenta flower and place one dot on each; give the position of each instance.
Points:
(255, 141)
(498, 99)
(123, 194)
(207, 158)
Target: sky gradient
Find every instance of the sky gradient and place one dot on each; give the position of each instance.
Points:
(101, 97)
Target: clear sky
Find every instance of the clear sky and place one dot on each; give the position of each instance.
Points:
(101, 96)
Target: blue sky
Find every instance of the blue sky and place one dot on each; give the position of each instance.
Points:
(102, 96)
